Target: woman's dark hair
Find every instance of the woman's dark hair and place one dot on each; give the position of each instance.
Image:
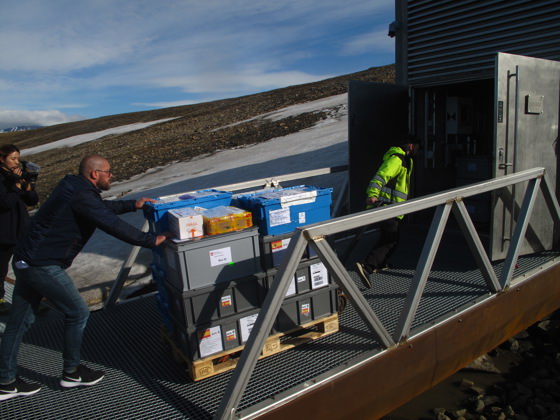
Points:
(7, 149)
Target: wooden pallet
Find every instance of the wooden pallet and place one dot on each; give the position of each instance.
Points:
(227, 360)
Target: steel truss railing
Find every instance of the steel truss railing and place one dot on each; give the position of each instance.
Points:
(444, 203)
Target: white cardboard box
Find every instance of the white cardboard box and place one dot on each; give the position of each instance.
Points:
(185, 223)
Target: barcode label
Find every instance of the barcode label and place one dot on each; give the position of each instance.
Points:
(319, 275)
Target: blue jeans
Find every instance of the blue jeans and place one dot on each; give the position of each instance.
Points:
(32, 284)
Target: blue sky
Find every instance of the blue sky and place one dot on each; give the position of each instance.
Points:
(63, 60)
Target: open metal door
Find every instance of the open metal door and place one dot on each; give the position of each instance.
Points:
(377, 119)
(527, 92)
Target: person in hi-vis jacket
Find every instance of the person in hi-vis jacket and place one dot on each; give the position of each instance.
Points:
(390, 185)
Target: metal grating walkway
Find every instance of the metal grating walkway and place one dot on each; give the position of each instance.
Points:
(143, 381)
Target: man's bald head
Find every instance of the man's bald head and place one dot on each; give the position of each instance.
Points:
(97, 170)
(91, 163)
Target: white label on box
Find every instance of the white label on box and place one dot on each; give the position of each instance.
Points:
(301, 279)
(279, 217)
(226, 301)
(292, 289)
(297, 198)
(246, 325)
(220, 256)
(210, 341)
(306, 309)
(231, 335)
(280, 245)
(301, 217)
(319, 275)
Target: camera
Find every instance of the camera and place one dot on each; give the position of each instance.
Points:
(30, 171)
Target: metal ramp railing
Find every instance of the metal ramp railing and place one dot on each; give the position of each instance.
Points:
(444, 203)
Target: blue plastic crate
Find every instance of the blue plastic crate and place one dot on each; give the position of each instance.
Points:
(281, 211)
(156, 213)
(161, 298)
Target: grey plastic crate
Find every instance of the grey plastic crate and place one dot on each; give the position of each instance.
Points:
(223, 334)
(311, 306)
(273, 250)
(191, 308)
(310, 275)
(210, 260)
(214, 337)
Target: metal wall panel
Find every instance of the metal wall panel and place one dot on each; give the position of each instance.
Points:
(442, 41)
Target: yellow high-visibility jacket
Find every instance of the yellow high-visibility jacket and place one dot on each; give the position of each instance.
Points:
(391, 183)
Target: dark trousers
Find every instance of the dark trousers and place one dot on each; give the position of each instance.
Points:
(389, 232)
(6, 252)
(32, 284)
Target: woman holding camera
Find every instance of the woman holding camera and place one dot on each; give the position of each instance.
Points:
(16, 193)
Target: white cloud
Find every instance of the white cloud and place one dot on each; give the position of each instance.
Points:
(375, 41)
(11, 118)
(149, 52)
(250, 80)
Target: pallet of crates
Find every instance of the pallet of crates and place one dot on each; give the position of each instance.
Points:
(211, 324)
(213, 298)
(210, 285)
(215, 346)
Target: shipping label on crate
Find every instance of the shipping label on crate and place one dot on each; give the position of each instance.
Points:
(226, 301)
(220, 256)
(279, 217)
(296, 197)
(210, 341)
(246, 326)
(231, 335)
(319, 275)
(305, 309)
(280, 245)
(277, 248)
(301, 217)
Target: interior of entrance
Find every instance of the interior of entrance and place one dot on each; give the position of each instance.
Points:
(455, 126)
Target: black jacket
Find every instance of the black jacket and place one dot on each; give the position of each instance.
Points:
(14, 217)
(64, 224)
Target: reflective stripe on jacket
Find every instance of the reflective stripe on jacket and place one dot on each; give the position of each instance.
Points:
(391, 183)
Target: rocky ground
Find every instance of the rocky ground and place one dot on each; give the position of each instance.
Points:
(522, 382)
(195, 130)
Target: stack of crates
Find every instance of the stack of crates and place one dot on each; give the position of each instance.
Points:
(157, 216)
(211, 288)
(278, 212)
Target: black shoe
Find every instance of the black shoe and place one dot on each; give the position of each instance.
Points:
(384, 267)
(83, 376)
(17, 388)
(364, 273)
(387, 266)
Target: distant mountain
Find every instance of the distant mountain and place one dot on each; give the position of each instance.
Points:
(188, 131)
(20, 128)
